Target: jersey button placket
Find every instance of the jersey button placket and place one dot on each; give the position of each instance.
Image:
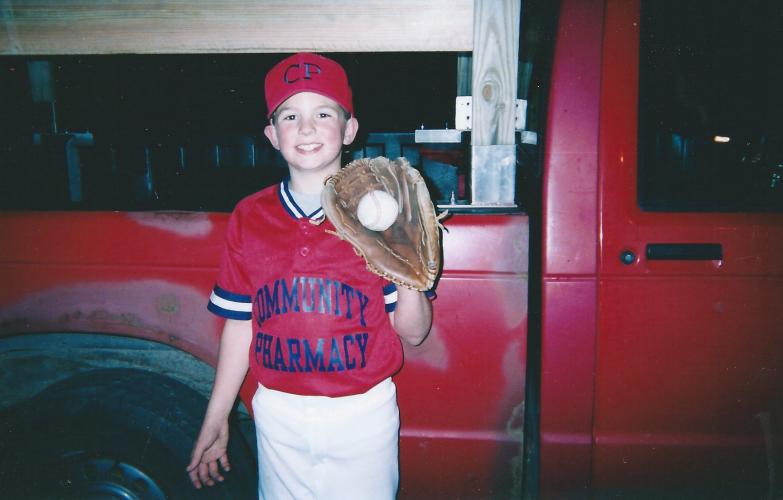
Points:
(305, 233)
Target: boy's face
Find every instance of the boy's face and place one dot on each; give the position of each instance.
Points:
(310, 130)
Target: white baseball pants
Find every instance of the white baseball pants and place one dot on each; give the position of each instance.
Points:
(316, 447)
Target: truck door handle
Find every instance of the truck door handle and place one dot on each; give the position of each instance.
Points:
(684, 251)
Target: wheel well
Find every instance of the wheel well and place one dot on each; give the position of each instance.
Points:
(113, 431)
(30, 363)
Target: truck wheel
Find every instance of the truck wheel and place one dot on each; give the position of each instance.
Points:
(114, 433)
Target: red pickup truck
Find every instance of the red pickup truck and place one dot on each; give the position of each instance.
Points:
(615, 331)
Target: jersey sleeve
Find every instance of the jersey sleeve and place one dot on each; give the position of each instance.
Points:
(232, 294)
(390, 296)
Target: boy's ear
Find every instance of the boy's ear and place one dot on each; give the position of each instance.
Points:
(351, 128)
(271, 133)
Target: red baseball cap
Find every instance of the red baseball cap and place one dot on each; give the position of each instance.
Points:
(306, 72)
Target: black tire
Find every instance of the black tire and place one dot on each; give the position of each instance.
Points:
(114, 433)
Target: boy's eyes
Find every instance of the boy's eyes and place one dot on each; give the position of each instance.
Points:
(294, 116)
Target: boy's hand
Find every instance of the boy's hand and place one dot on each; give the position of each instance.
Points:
(209, 452)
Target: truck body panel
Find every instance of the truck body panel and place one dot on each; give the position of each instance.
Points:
(148, 275)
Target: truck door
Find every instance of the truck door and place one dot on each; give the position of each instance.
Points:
(689, 351)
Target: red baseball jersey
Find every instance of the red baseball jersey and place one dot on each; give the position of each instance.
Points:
(320, 319)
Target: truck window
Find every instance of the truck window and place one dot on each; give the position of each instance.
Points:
(710, 134)
(180, 132)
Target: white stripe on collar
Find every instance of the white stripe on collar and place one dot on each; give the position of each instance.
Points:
(287, 199)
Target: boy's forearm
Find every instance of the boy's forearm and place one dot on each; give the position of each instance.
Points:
(412, 317)
(231, 369)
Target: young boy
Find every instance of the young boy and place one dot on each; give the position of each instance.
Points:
(318, 331)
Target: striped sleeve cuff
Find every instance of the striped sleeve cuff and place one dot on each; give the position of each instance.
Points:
(390, 296)
(230, 305)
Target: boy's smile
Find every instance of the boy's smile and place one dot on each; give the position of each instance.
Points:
(309, 130)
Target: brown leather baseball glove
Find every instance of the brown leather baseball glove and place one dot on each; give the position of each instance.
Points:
(408, 252)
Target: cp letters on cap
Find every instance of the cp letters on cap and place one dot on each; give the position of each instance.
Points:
(306, 72)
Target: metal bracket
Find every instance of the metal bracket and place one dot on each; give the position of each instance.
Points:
(463, 115)
(463, 122)
(437, 136)
(493, 176)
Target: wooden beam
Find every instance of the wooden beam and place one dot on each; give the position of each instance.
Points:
(49, 27)
(495, 62)
(494, 90)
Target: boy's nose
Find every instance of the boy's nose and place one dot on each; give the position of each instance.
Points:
(306, 127)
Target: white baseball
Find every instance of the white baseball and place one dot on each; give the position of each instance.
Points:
(377, 210)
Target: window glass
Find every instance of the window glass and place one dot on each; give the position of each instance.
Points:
(180, 132)
(710, 106)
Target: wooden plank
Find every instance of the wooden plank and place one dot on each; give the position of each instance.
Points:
(47, 27)
(494, 91)
(495, 62)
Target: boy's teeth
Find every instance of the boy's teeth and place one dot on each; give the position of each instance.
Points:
(308, 147)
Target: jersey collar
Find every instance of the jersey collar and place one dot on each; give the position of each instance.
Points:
(293, 209)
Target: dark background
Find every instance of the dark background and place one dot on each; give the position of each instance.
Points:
(158, 122)
(188, 97)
